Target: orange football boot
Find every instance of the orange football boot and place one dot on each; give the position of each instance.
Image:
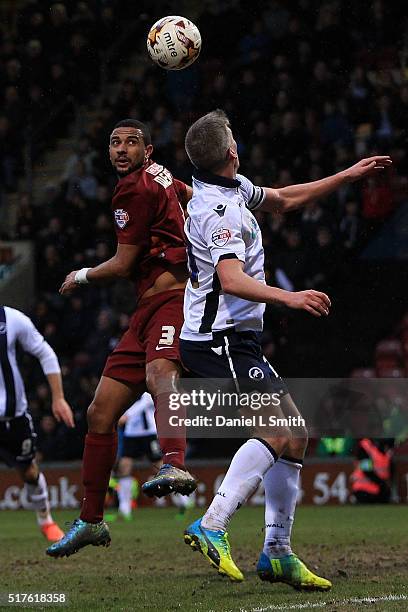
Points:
(52, 532)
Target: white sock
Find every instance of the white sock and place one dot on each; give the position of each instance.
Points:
(281, 490)
(125, 495)
(37, 496)
(245, 472)
(182, 501)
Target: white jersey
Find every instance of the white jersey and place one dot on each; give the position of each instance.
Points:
(220, 225)
(15, 328)
(140, 418)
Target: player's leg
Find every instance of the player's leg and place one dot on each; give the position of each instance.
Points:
(277, 563)
(162, 377)
(18, 443)
(161, 341)
(112, 398)
(125, 488)
(135, 447)
(234, 357)
(184, 503)
(281, 488)
(36, 489)
(246, 471)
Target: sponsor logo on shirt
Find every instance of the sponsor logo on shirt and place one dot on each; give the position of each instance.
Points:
(254, 228)
(221, 236)
(154, 169)
(3, 328)
(121, 218)
(161, 175)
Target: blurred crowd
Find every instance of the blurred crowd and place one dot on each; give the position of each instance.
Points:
(48, 62)
(309, 89)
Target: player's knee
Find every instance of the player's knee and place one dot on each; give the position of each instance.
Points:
(125, 466)
(30, 473)
(285, 437)
(280, 441)
(298, 444)
(300, 437)
(161, 374)
(100, 420)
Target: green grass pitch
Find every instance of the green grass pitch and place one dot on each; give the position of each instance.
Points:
(363, 550)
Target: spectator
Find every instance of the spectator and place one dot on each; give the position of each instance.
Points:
(36, 65)
(48, 439)
(377, 200)
(59, 30)
(349, 226)
(9, 157)
(383, 123)
(323, 260)
(82, 183)
(313, 216)
(13, 107)
(50, 270)
(26, 225)
(83, 152)
(291, 265)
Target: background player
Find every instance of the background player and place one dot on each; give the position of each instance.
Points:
(224, 305)
(149, 223)
(17, 436)
(139, 441)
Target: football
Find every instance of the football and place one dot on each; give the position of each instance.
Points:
(174, 42)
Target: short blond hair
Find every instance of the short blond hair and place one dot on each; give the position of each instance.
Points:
(208, 140)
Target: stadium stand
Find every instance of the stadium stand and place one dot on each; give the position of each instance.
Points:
(307, 120)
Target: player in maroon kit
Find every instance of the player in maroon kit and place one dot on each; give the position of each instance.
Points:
(151, 250)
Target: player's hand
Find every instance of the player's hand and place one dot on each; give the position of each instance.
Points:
(69, 285)
(367, 167)
(62, 412)
(315, 302)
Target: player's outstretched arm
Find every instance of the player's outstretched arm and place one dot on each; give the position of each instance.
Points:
(121, 265)
(236, 282)
(294, 196)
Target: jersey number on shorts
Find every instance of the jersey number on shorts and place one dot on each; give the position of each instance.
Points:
(26, 447)
(167, 337)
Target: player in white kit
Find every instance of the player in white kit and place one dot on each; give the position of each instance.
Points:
(223, 310)
(140, 441)
(17, 436)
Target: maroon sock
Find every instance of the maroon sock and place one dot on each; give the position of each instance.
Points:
(98, 461)
(172, 440)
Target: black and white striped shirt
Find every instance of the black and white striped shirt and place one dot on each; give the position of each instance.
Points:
(221, 225)
(15, 328)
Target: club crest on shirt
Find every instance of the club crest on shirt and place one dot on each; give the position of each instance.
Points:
(121, 218)
(256, 373)
(221, 236)
(3, 328)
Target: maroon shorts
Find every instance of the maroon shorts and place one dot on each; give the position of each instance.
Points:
(153, 333)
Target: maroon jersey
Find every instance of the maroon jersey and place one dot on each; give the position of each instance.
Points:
(147, 211)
